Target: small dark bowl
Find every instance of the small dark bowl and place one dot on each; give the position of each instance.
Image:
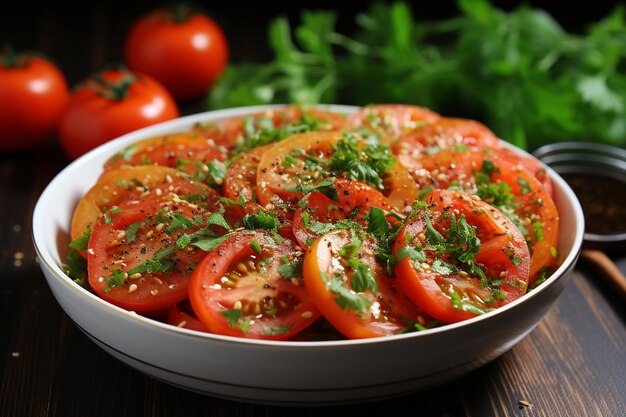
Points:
(594, 159)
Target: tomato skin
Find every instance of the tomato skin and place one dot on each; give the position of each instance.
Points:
(391, 120)
(388, 309)
(109, 251)
(36, 92)
(354, 197)
(115, 187)
(531, 203)
(177, 316)
(91, 119)
(429, 289)
(211, 295)
(185, 51)
(168, 151)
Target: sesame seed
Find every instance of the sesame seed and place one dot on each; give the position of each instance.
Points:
(91, 251)
(135, 275)
(101, 279)
(237, 305)
(121, 234)
(425, 265)
(295, 282)
(154, 292)
(158, 280)
(182, 323)
(15, 354)
(18, 255)
(132, 288)
(150, 234)
(463, 274)
(158, 191)
(307, 315)
(160, 227)
(168, 178)
(17, 228)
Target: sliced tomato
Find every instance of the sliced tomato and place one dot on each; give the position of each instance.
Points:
(354, 201)
(391, 120)
(511, 188)
(400, 188)
(459, 257)
(117, 186)
(530, 163)
(277, 175)
(235, 131)
(241, 176)
(188, 152)
(289, 167)
(251, 286)
(134, 258)
(445, 134)
(352, 290)
(182, 315)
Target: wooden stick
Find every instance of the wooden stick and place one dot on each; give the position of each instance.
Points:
(609, 271)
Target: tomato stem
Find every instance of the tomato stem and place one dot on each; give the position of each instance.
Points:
(117, 90)
(11, 59)
(180, 13)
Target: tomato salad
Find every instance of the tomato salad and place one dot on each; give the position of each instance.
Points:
(303, 224)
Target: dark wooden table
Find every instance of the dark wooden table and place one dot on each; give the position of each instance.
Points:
(572, 364)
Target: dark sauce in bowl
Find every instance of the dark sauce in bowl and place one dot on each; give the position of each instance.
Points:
(603, 200)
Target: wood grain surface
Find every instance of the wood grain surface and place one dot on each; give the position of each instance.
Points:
(573, 364)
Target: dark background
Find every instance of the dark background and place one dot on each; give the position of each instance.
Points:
(244, 23)
(570, 365)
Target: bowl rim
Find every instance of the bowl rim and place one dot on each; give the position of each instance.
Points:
(47, 259)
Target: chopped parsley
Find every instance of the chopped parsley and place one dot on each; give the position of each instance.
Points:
(368, 165)
(131, 231)
(82, 241)
(261, 220)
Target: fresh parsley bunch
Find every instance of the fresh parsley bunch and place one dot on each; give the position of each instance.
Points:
(519, 72)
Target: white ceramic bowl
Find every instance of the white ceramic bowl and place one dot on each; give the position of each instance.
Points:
(329, 372)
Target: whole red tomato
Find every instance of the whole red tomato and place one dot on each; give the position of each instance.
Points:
(184, 50)
(109, 104)
(33, 93)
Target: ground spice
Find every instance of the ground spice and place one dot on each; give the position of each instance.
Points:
(603, 200)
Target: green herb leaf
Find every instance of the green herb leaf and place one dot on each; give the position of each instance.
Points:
(131, 231)
(232, 316)
(81, 242)
(377, 222)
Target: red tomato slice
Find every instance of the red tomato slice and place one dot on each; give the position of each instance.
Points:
(181, 315)
(241, 176)
(238, 291)
(355, 200)
(448, 245)
(275, 177)
(509, 187)
(391, 120)
(133, 258)
(305, 158)
(351, 289)
(237, 130)
(444, 134)
(117, 186)
(187, 151)
(531, 164)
